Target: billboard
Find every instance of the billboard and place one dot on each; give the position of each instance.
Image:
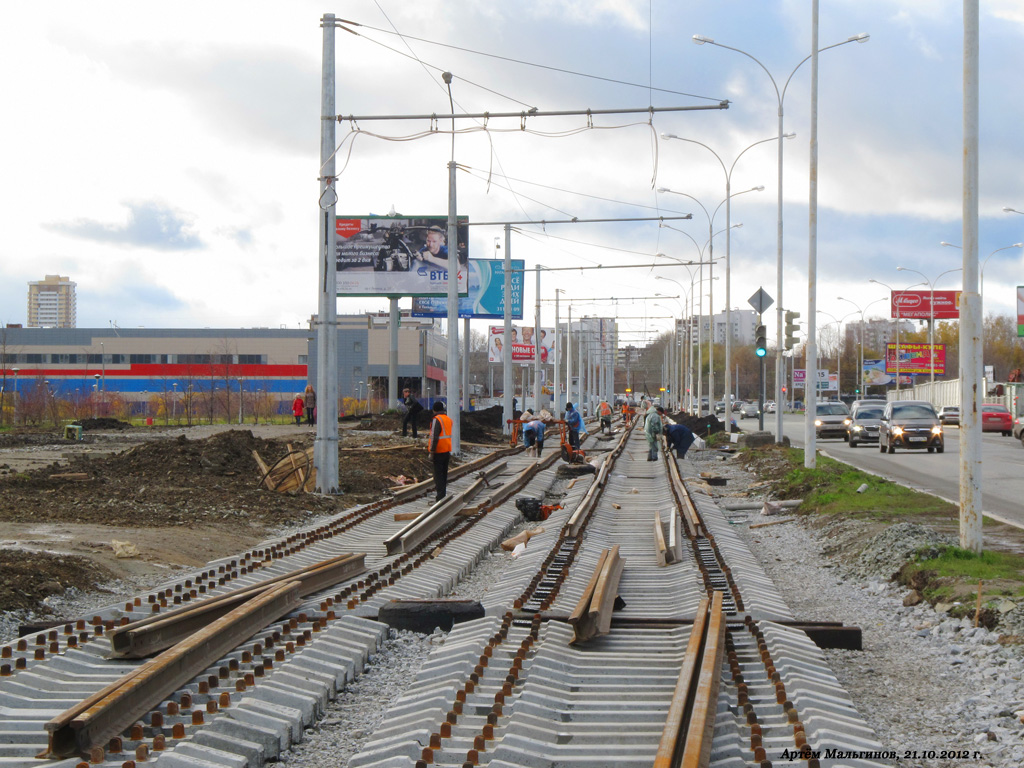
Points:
(875, 375)
(919, 305)
(1020, 310)
(397, 255)
(486, 299)
(914, 359)
(521, 349)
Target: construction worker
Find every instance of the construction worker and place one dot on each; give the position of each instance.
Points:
(605, 412)
(440, 448)
(573, 421)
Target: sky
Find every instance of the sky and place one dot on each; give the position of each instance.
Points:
(166, 158)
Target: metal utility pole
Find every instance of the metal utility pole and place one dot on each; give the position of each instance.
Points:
(971, 328)
(325, 448)
(810, 398)
(393, 323)
(507, 384)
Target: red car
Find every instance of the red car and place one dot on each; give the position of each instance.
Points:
(996, 418)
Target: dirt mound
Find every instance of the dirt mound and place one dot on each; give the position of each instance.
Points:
(105, 423)
(28, 578)
(699, 425)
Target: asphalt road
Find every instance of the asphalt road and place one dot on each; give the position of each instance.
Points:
(1002, 484)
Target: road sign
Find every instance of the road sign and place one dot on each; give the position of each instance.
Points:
(760, 301)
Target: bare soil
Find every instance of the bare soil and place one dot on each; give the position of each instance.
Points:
(135, 501)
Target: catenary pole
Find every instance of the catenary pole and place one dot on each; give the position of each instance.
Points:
(971, 328)
(811, 373)
(325, 447)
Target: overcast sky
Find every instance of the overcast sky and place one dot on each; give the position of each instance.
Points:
(165, 157)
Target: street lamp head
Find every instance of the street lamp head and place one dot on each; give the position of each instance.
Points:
(789, 135)
(949, 245)
(1008, 209)
(663, 189)
(669, 136)
(862, 37)
(701, 39)
(759, 188)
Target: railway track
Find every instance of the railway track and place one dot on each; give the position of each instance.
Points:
(635, 630)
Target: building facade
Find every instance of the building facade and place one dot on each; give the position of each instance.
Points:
(52, 303)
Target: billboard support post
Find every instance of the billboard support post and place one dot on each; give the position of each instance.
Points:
(453, 313)
(507, 385)
(393, 353)
(325, 450)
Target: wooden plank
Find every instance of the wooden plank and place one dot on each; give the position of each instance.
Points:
(659, 541)
(773, 522)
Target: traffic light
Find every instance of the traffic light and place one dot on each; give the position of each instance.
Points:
(760, 341)
(791, 329)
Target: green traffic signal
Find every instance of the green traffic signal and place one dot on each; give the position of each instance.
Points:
(760, 341)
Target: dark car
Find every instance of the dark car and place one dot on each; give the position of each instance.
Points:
(910, 424)
(996, 418)
(949, 414)
(865, 423)
(831, 419)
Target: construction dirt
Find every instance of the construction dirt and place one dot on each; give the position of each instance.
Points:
(137, 501)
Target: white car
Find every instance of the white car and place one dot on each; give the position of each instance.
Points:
(769, 407)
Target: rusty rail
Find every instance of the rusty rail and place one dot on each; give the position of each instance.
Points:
(689, 726)
(109, 711)
(157, 633)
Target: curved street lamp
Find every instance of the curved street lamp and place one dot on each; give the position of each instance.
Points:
(728, 249)
(710, 245)
(810, 376)
(780, 96)
(931, 312)
(862, 311)
(892, 292)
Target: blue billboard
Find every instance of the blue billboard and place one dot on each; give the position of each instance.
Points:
(486, 293)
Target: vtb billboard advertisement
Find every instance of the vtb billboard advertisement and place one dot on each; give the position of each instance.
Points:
(398, 255)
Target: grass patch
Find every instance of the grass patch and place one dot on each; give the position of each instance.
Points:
(831, 487)
(963, 564)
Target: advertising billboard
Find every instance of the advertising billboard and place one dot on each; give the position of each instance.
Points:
(521, 349)
(918, 305)
(486, 299)
(398, 256)
(1020, 310)
(875, 375)
(914, 359)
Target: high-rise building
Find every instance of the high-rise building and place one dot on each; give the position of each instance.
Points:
(52, 303)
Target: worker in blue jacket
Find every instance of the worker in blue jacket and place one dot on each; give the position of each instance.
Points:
(573, 422)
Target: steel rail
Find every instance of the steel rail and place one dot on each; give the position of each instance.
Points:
(157, 633)
(110, 711)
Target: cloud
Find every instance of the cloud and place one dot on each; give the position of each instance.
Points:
(149, 225)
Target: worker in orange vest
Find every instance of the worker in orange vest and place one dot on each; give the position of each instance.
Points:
(440, 449)
(605, 412)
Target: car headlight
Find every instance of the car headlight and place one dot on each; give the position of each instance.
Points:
(817, 422)
(897, 431)
(936, 430)
(847, 422)
(857, 428)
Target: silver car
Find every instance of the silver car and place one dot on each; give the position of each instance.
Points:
(832, 419)
(748, 410)
(865, 421)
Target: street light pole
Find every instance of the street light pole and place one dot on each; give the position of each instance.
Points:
(780, 98)
(997, 250)
(931, 314)
(839, 358)
(862, 311)
(728, 256)
(710, 246)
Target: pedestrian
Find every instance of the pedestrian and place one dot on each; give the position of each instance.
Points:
(309, 401)
(440, 449)
(652, 431)
(298, 408)
(680, 437)
(533, 434)
(573, 422)
(412, 412)
(605, 412)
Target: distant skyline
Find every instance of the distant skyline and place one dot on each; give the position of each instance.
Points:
(166, 159)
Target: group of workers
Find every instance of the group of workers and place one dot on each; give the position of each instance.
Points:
(678, 437)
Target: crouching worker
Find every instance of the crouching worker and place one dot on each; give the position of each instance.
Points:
(533, 436)
(679, 438)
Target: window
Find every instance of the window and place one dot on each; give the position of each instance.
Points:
(250, 359)
(94, 359)
(303, 359)
(357, 346)
(140, 359)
